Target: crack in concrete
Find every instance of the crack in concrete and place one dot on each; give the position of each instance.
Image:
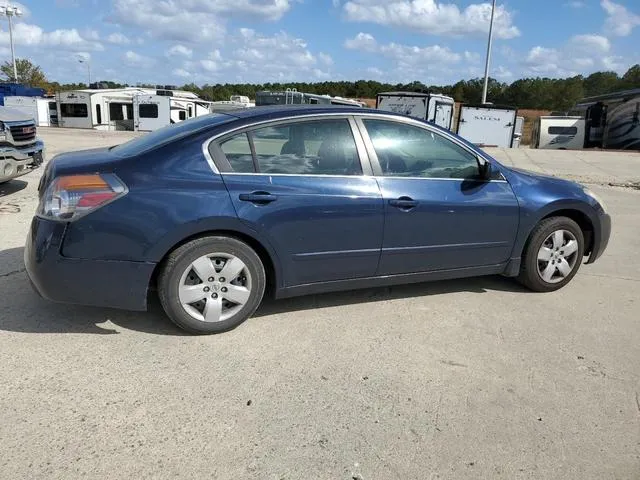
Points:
(8, 274)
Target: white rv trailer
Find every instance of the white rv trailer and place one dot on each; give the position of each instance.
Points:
(153, 111)
(517, 134)
(113, 109)
(558, 132)
(242, 99)
(432, 107)
(487, 125)
(43, 110)
(292, 97)
(612, 120)
(100, 109)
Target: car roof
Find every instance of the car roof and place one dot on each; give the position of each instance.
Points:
(282, 111)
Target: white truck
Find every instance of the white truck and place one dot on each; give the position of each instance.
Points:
(20, 149)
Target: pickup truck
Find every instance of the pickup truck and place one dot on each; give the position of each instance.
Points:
(20, 150)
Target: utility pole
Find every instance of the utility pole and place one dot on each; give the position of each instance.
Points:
(10, 11)
(88, 62)
(486, 65)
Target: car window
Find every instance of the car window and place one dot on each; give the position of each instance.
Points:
(409, 151)
(319, 147)
(238, 153)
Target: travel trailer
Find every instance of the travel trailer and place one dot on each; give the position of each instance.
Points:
(560, 132)
(100, 109)
(153, 111)
(612, 121)
(292, 97)
(432, 107)
(487, 125)
(517, 134)
(113, 109)
(42, 110)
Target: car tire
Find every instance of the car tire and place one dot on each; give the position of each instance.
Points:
(553, 255)
(213, 303)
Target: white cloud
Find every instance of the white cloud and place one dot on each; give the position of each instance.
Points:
(66, 39)
(180, 72)
(362, 41)
(192, 21)
(580, 54)
(620, 21)
(375, 71)
(325, 58)
(576, 4)
(405, 55)
(472, 57)
(502, 73)
(256, 57)
(118, 38)
(180, 51)
(432, 17)
(133, 59)
(596, 44)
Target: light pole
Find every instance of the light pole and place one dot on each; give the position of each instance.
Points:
(486, 65)
(11, 11)
(88, 62)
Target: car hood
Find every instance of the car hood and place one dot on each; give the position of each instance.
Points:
(13, 115)
(528, 176)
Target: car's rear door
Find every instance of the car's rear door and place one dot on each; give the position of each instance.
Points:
(439, 214)
(305, 186)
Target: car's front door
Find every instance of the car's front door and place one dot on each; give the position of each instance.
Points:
(439, 214)
(301, 185)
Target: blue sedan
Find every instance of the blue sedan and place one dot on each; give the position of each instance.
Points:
(215, 211)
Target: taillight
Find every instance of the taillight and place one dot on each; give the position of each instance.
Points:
(70, 197)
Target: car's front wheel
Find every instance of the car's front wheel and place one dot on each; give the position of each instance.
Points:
(553, 254)
(211, 284)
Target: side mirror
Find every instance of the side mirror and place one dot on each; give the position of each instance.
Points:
(484, 168)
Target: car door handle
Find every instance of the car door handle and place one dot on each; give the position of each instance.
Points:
(259, 198)
(404, 203)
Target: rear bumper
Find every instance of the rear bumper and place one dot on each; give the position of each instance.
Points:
(101, 283)
(601, 235)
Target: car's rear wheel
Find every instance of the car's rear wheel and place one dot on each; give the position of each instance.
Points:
(211, 284)
(553, 254)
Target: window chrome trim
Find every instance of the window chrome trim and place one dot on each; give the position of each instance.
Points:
(373, 156)
(366, 176)
(357, 118)
(365, 163)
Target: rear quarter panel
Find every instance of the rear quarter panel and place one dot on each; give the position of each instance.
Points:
(173, 195)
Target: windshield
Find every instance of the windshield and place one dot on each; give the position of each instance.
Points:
(168, 134)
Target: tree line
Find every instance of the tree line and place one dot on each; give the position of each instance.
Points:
(529, 93)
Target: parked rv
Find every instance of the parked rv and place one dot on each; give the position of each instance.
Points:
(487, 125)
(113, 109)
(43, 110)
(558, 132)
(153, 111)
(612, 121)
(20, 149)
(431, 107)
(292, 97)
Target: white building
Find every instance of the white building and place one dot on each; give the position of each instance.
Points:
(43, 110)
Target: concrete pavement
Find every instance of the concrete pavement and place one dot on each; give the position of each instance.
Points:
(466, 379)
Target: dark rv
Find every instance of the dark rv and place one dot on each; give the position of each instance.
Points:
(612, 120)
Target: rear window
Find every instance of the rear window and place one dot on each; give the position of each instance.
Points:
(169, 133)
(77, 110)
(563, 130)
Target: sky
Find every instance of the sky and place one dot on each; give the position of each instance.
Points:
(258, 41)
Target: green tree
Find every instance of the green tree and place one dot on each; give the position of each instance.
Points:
(601, 82)
(631, 79)
(28, 73)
